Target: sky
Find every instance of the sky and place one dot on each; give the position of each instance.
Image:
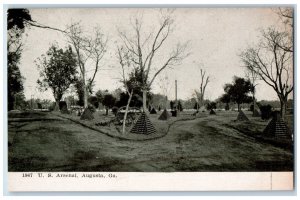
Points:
(216, 36)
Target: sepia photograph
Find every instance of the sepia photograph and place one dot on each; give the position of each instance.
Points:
(196, 89)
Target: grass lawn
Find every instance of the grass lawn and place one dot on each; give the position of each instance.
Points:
(40, 141)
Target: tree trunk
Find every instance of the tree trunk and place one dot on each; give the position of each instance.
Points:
(145, 101)
(15, 102)
(239, 107)
(253, 103)
(126, 111)
(166, 103)
(283, 107)
(227, 106)
(56, 108)
(85, 97)
(57, 97)
(85, 94)
(106, 109)
(201, 100)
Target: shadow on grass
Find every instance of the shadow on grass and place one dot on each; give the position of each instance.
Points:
(32, 163)
(286, 144)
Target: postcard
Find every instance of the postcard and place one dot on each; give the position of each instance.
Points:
(150, 99)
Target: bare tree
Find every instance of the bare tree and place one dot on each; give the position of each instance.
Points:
(144, 47)
(252, 76)
(164, 84)
(125, 62)
(88, 49)
(286, 15)
(204, 80)
(273, 64)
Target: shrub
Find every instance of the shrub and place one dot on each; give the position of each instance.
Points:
(180, 108)
(251, 107)
(266, 111)
(52, 106)
(227, 106)
(62, 104)
(174, 113)
(115, 110)
(196, 106)
(39, 105)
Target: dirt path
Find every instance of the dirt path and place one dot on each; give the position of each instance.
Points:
(196, 145)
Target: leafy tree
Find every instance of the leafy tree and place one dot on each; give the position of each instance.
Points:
(16, 22)
(136, 100)
(15, 79)
(46, 103)
(116, 93)
(225, 98)
(172, 104)
(100, 95)
(238, 91)
(108, 101)
(19, 101)
(70, 100)
(134, 83)
(18, 18)
(211, 106)
(57, 70)
(157, 100)
(180, 108)
(94, 101)
(190, 103)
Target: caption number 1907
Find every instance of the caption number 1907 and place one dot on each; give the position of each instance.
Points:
(30, 175)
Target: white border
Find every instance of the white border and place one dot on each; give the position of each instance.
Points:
(148, 181)
(162, 2)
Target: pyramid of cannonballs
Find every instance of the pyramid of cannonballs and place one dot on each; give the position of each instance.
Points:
(164, 115)
(87, 114)
(153, 111)
(212, 112)
(277, 128)
(143, 125)
(241, 116)
(256, 111)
